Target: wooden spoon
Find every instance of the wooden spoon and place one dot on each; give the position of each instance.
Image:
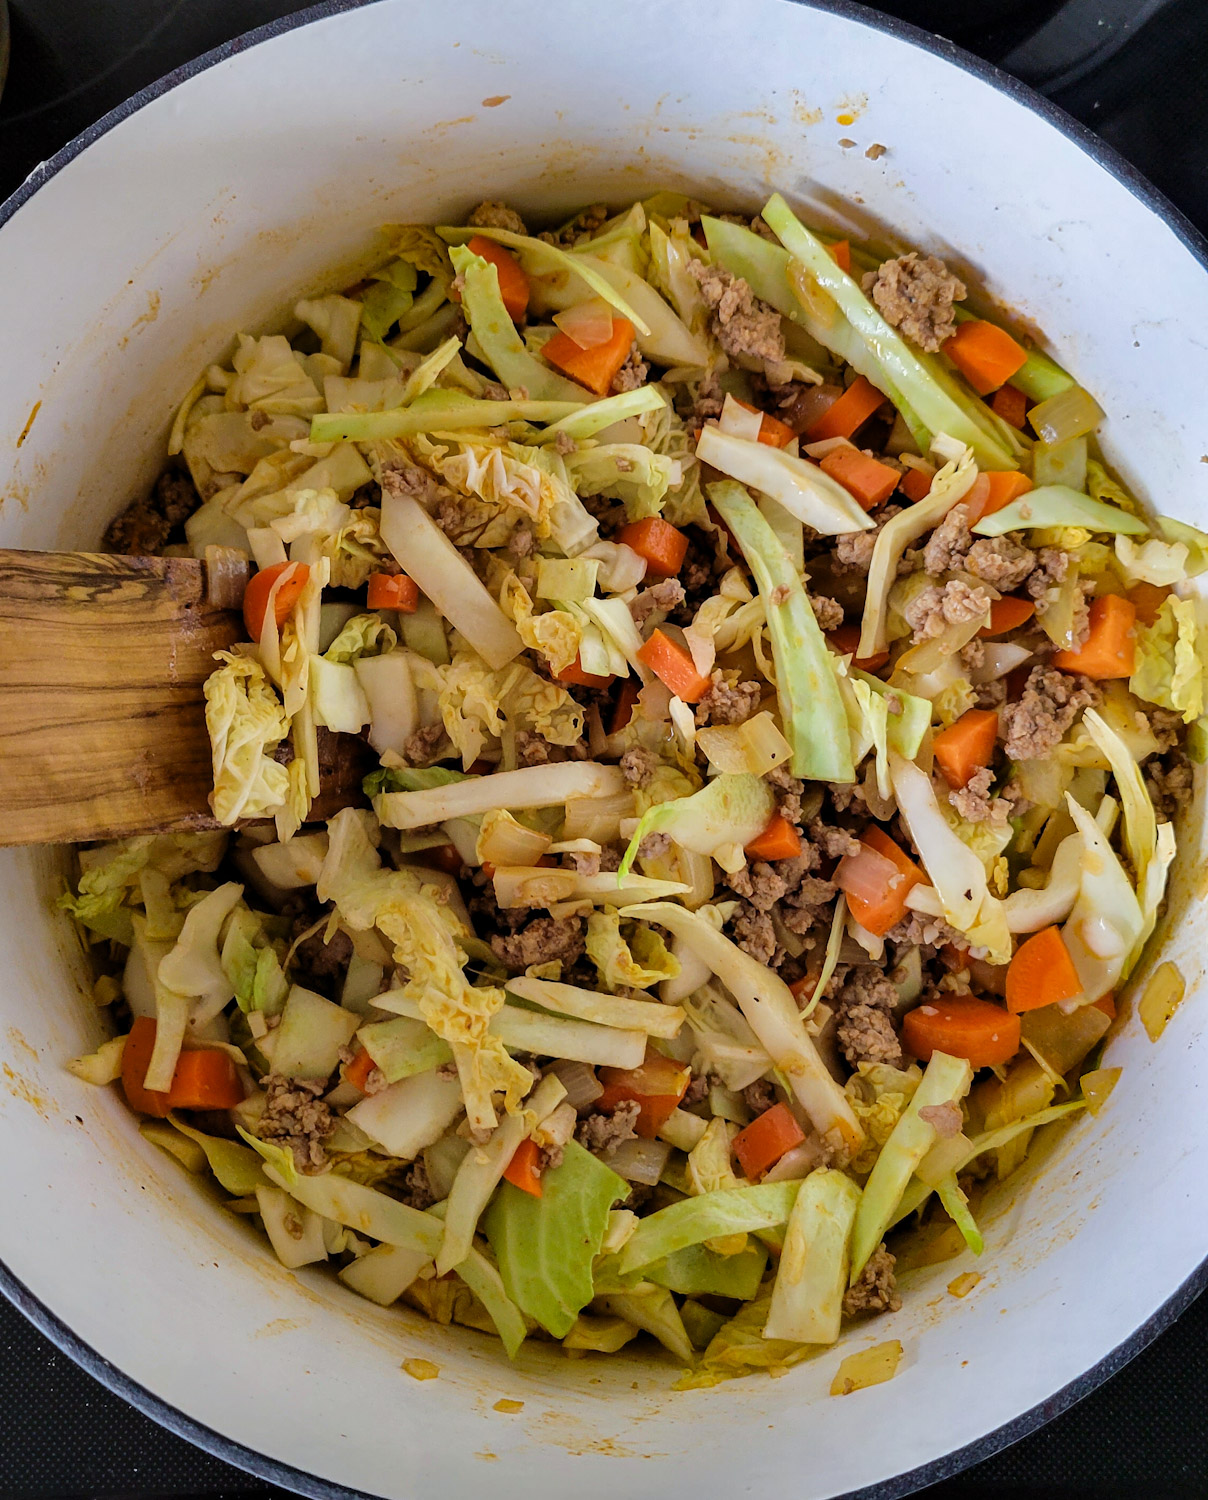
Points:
(102, 715)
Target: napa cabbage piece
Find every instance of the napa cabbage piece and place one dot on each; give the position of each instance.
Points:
(950, 485)
(590, 420)
(435, 411)
(495, 334)
(726, 814)
(639, 961)
(1058, 505)
(605, 1010)
(362, 635)
(811, 1279)
(771, 1012)
(811, 705)
(839, 315)
(1152, 561)
(804, 489)
(336, 320)
(531, 786)
(946, 1080)
(111, 876)
(1170, 660)
(875, 727)
(629, 472)
(726, 1046)
(546, 1246)
(739, 1346)
(478, 704)
(697, 1272)
(1106, 923)
(709, 1216)
(194, 966)
(246, 722)
(556, 633)
(428, 939)
(956, 871)
(102, 1066)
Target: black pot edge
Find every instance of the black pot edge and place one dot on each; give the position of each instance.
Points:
(951, 1464)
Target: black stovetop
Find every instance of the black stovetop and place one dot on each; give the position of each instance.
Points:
(1133, 70)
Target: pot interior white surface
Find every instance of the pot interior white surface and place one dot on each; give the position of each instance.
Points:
(265, 177)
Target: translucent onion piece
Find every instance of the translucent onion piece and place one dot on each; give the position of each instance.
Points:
(1163, 996)
(521, 886)
(588, 324)
(1070, 414)
(504, 841)
(638, 1160)
(582, 1086)
(998, 659)
(866, 875)
(739, 422)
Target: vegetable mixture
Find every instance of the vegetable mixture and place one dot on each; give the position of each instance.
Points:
(764, 714)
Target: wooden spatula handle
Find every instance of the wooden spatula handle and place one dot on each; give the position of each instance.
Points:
(102, 726)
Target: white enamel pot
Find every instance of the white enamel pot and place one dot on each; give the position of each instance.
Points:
(206, 206)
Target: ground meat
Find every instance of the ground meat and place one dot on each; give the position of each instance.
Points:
(1000, 561)
(864, 1018)
(708, 402)
(638, 765)
(521, 543)
(533, 749)
(599, 1132)
(728, 702)
(827, 612)
(412, 481)
(948, 543)
(542, 941)
(144, 528)
(854, 549)
(697, 1088)
(973, 800)
(295, 1117)
(1051, 701)
(662, 596)
(632, 373)
(321, 965)
(759, 1096)
(874, 1290)
(759, 884)
(491, 214)
(807, 902)
(421, 748)
(564, 444)
(936, 607)
(1165, 726)
(946, 1119)
(417, 1190)
(1170, 782)
(832, 841)
(915, 293)
(654, 846)
(928, 933)
(1043, 584)
(744, 326)
(584, 223)
(787, 790)
(753, 932)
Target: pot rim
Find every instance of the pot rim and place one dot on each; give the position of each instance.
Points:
(947, 1465)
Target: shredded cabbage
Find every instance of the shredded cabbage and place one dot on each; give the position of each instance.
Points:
(246, 723)
(1170, 661)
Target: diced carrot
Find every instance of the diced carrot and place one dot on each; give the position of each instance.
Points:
(915, 484)
(962, 1026)
(657, 1086)
(205, 1079)
(846, 641)
(876, 895)
(358, 1070)
(772, 431)
(662, 545)
(136, 1057)
(627, 700)
(1041, 972)
(990, 492)
(760, 1145)
(849, 413)
(802, 989)
(596, 368)
(577, 677)
(1147, 599)
(393, 591)
(966, 746)
(779, 840)
(867, 480)
(255, 596)
(1110, 650)
(672, 664)
(1107, 1004)
(1010, 403)
(523, 1171)
(513, 280)
(1007, 614)
(840, 253)
(986, 355)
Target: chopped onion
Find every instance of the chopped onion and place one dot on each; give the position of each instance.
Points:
(999, 658)
(797, 1163)
(582, 1086)
(654, 701)
(588, 324)
(828, 445)
(693, 973)
(739, 421)
(226, 576)
(684, 723)
(704, 653)
(638, 1160)
(504, 841)
(597, 818)
(928, 655)
(866, 875)
(393, 710)
(267, 547)
(621, 568)
(519, 885)
(1071, 413)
